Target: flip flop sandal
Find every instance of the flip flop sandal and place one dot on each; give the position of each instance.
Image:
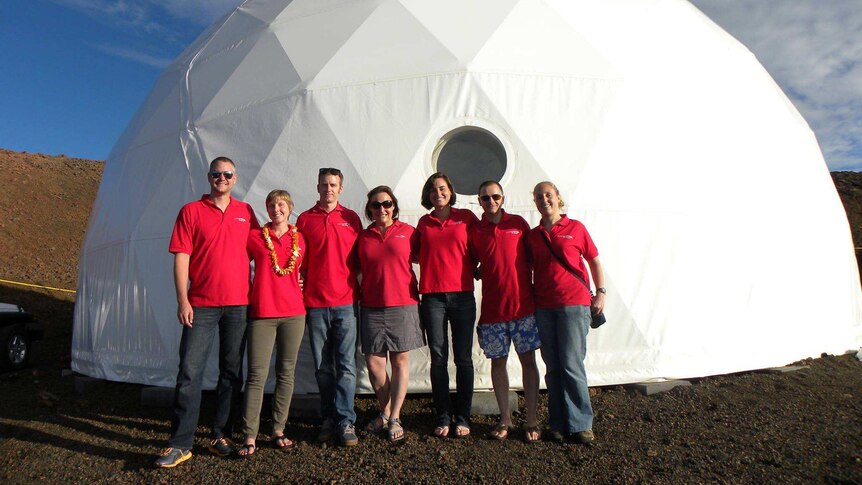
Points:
(442, 431)
(373, 428)
(530, 430)
(500, 432)
(245, 451)
(394, 428)
(283, 442)
(462, 430)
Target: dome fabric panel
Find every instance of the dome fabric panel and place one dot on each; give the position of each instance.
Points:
(703, 187)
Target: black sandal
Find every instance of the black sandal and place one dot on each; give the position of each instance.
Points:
(283, 442)
(249, 450)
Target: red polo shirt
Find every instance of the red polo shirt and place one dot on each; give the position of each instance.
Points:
(553, 285)
(330, 278)
(215, 242)
(387, 273)
(274, 296)
(501, 249)
(443, 257)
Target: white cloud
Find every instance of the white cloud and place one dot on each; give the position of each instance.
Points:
(121, 14)
(813, 50)
(203, 12)
(164, 26)
(135, 56)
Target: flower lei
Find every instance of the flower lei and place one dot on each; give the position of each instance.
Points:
(294, 250)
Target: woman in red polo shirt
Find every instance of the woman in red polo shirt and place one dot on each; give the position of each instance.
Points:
(276, 318)
(389, 314)
(559, 246)
(446, 285)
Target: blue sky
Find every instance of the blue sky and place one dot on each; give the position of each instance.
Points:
(75, 71)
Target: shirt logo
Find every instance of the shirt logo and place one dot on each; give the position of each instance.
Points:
(343, 224)
(565, 236)
(400, 236)
(240, 219)
(457, 222)
(514, 231)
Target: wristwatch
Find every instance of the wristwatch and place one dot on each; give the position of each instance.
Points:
(602, 290)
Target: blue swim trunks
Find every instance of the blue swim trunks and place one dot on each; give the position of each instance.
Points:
(495, 338)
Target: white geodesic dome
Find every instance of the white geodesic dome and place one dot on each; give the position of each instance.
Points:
(724, 242)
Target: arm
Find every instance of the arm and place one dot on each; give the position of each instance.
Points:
(185, 314)
(474, 254)
(599, 280)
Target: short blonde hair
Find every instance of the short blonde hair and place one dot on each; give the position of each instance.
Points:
(279, 194)
(556, 190)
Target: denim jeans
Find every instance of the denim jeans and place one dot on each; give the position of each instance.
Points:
(459, 310)
(229, 323)
(333, 333)
(563, 332)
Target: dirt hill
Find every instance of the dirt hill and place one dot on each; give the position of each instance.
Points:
(46, 203)
(849, 185)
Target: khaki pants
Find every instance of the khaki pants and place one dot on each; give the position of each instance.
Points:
(286, 335)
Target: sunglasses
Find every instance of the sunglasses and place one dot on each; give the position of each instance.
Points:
(227, 174)
(386, 204)
(328, 171)
(487, 198)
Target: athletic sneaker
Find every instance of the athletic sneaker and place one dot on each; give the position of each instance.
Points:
(584, 437)
(221, 447)
(172, 457)
(348, 436)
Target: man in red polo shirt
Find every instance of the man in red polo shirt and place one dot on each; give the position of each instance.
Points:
(499, 243)
(211, 275)
(331, 291)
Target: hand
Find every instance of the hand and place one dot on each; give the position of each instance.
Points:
(598, 303)
(185, 314)
(301, 279)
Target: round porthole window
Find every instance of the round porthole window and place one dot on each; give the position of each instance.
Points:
(470, 155)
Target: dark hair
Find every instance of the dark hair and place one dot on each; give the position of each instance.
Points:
(382, 189)
(429, 186)
(489, 183)
(330, 171)
(221, 159)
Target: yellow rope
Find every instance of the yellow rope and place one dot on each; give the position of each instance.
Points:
(37, 286)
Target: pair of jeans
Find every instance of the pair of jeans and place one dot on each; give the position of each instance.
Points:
(459, 310)
(229, 323)
(285, 334)
(333, 333)
(563, 332)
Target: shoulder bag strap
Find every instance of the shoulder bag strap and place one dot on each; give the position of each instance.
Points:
(564, 263)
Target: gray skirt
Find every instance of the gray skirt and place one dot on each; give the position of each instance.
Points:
(390, 329)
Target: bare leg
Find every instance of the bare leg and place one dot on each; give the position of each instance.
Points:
(500, 381)
(379, 380)
(531, 387)
(398, 388)
(400, 375)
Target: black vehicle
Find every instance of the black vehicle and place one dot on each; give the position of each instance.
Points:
(18, 330)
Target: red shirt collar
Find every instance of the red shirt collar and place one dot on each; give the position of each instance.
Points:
(320, 210)
(206, 200)
(485, 222)
(454, 214)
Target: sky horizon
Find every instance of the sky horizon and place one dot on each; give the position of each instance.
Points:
(84, 67)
